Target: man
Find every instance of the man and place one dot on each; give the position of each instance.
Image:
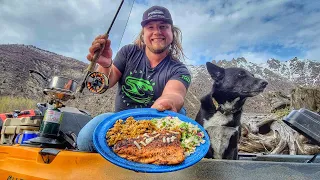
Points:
(149, 72)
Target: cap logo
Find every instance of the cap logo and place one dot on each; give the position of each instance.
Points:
(156, 14)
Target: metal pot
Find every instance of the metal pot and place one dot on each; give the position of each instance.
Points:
(59, 87)
(62, 84)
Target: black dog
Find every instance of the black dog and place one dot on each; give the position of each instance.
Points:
(221, 109)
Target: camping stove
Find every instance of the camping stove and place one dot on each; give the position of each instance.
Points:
(60, 89)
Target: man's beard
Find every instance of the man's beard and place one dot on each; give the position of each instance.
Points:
(158, 51)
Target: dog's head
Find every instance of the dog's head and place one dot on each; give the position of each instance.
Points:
(236, 81)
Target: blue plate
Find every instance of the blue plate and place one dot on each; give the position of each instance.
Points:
(100, 142)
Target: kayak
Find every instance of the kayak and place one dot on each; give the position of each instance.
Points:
(19, 162)
(23, 162)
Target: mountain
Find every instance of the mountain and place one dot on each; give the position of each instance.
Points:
(294, 71)
(16, 61)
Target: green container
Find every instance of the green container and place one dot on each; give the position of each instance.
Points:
(51, 122)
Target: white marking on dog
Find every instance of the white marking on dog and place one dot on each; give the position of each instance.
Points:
(219, 119)
(220, 139)
(219, 133)
(229, 106)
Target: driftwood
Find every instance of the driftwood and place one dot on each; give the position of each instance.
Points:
(273, 136)
(270, 135)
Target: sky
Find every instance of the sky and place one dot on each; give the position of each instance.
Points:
(212, 29)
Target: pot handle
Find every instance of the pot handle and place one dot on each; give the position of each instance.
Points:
(40, 74)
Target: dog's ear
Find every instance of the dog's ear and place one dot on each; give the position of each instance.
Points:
(216, 72)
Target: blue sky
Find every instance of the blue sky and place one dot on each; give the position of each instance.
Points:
(212, 29)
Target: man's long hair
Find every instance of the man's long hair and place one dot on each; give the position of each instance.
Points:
(175, 51)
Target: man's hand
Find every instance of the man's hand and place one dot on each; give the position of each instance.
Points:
(106, 54)
(172, 97)
(163, 104)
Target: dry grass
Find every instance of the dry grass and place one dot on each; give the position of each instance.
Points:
(9, 104)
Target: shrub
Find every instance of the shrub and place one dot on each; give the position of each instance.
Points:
(281, 113)
(9, 104)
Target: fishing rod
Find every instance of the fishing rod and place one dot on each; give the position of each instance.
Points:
(98, 82)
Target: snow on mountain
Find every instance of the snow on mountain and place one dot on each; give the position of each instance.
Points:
(296, 71)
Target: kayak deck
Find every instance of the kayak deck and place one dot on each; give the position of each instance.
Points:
(22, 162)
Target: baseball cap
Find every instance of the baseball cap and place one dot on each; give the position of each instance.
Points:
(156, 13)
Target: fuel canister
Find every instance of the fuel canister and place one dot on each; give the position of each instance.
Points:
(51, 123)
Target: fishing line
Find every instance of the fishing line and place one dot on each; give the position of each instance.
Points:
(97, 82)
(125, 27)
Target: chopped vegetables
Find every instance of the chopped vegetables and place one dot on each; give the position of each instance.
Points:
(191, 135)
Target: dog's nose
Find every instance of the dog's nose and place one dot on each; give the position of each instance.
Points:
(263, 83)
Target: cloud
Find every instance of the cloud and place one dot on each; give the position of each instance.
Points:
(313, 54)
(220, 29)
(64, 27)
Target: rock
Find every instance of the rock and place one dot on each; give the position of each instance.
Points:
(308, 98)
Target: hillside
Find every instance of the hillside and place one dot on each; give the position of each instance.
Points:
(15, 80)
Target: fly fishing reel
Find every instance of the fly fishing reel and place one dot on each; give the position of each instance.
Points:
(97, 82)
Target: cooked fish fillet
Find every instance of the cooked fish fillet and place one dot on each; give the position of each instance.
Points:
(152, 148)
